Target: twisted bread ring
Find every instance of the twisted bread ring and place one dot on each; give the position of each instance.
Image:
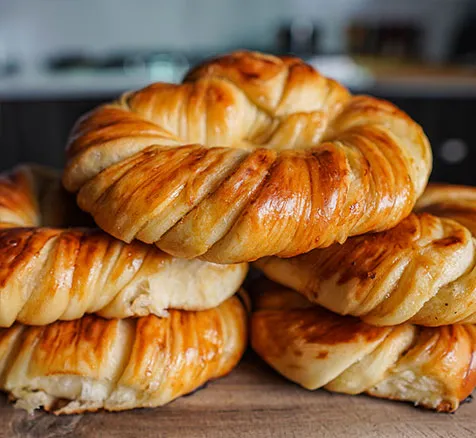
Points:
(92, 363)
(431, 367)
(422, 271)
(452, 201)
(48, 272)
(252, 155)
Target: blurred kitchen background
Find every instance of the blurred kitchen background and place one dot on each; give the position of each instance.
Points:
(60, 58)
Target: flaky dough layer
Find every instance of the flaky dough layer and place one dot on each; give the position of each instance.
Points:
(422, 271)
(253, 155)
(50, 272)
(431, 367)
(92, 363)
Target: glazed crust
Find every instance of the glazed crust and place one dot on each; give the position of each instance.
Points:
(70, 367)
(422, 271)
(253, 155)
(449, 200)
(49, 272)
(431, 367)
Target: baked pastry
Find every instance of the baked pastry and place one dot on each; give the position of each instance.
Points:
(422, 271)
(49, 272)
(432, 367)
(70, 367)
(253, 155)
(452, 201)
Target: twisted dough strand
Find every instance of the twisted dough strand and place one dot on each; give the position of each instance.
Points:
(422, 271)
(452, 201)
(432, 367)
(93, 363)
(50, 273)
(252, 155)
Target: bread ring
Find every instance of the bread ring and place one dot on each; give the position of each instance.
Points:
(431, 367)
(452, 201)
(422, 271)
(253, 155)
(70, 367)
(49, 272)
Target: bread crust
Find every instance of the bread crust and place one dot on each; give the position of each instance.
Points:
(432, 367)
(252, 155)
(422, 271)
(70, 367)
(49, 271)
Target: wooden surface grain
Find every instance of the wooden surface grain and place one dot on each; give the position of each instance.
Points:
(253, 401)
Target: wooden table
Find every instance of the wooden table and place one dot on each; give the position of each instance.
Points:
(253, 401)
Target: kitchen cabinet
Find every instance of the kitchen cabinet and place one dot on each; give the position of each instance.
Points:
(8, 149)
(38, 130)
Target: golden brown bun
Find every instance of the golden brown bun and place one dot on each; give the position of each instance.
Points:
(452, 201)
(48, 272)
(422, 271)
(93, 363)
(431, 367)
(253, 155)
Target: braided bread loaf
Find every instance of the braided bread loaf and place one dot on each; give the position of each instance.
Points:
(48, 272)
(431, 367)
(422, 271)
(93, 363)
(252, 155)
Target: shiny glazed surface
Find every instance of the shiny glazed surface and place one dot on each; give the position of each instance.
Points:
(422, 271)
(92, 363)
(49, 271)
(431, 367)
(253, 155)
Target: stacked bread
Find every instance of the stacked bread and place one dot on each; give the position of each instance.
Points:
(411, 294)
(252, 158)
(91, 322)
